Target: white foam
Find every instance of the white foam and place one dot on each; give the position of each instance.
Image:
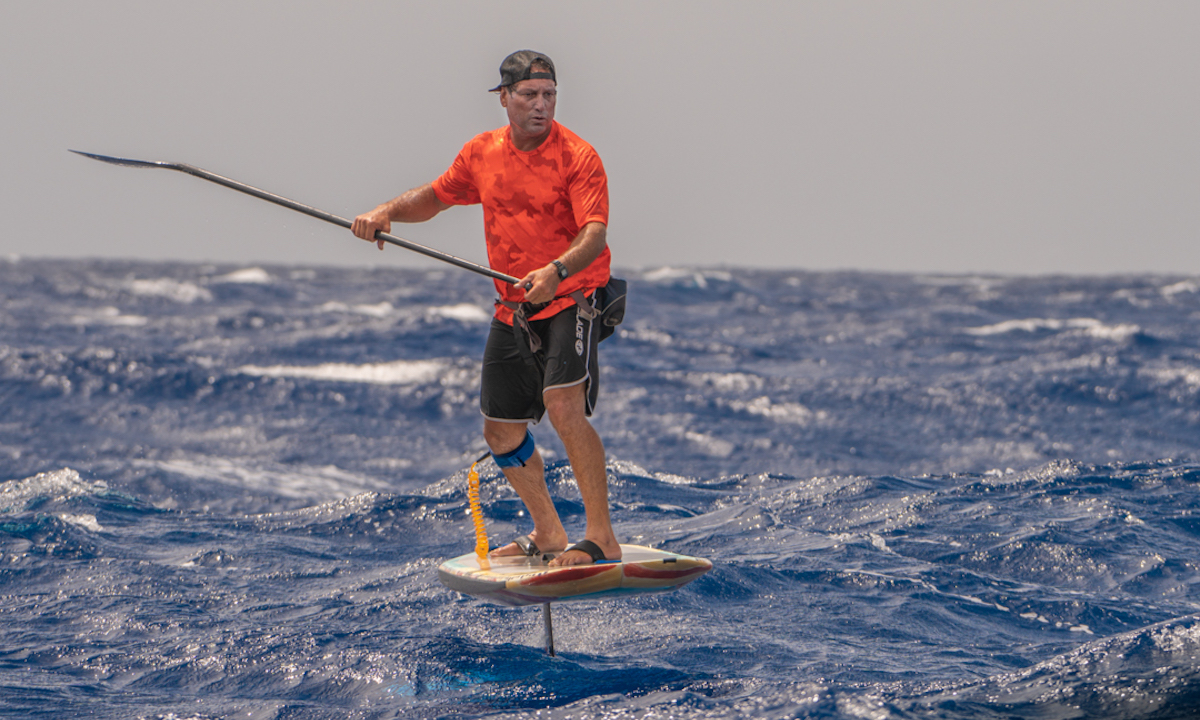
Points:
(245, 275)
(787, 412)
(182, 292)
(299, 481)
(1188, 375)
(378, 310)
(1089, 326)
(59, 484)
(669, 274)
(724, 382)
(108, 316)
(1189, 286)
(666, 273)
(464, 312)
(1119, 333)
(709, 445)
(655, 337)
(83, 520)
(399, 372)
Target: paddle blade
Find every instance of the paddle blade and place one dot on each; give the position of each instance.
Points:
(119, 161)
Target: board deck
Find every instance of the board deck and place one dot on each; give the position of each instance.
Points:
(529, 581)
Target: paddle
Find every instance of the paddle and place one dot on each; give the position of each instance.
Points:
(292, 204)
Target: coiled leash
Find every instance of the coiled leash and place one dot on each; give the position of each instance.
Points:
(481, 536)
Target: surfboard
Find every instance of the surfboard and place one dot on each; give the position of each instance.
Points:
(522, 580)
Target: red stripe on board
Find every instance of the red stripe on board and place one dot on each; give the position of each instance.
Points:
(644, 572)
(568, 575)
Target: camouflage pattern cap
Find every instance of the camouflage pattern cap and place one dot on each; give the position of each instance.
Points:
(519, 66)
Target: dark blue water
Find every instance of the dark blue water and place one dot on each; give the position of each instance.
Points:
(224, 492)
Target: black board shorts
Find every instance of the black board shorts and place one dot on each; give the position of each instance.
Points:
(513, 382)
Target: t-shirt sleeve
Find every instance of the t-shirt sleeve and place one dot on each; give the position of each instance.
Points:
(588, 188)
(457, 186)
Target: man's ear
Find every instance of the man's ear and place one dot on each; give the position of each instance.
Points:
(504, 97)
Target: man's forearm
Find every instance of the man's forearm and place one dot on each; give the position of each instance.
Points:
(541, 284)
(586, 247)
(416, 205)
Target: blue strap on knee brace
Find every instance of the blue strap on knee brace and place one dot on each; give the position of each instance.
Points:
(517, 457)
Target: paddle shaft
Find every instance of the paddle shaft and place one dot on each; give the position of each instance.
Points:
(307, 210)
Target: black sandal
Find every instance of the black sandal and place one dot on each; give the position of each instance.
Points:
(589, 547)
(527, 545)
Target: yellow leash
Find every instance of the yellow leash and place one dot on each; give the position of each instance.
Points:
(481, 536)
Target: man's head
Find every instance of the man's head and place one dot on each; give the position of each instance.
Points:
(528, 91)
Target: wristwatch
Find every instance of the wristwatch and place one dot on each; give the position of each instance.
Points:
(562, 269)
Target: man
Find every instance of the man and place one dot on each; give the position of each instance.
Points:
(545, 209)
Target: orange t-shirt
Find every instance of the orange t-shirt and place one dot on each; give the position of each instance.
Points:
(534, 205)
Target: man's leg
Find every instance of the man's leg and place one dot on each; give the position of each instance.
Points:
(585, 450)
(530, 483)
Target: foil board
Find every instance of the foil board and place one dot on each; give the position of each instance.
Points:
(530, 581)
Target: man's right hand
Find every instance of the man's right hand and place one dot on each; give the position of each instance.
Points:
(366, 225)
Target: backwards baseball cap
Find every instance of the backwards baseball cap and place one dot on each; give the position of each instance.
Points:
(519, 66)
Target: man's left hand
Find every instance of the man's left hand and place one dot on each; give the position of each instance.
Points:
(540, 285)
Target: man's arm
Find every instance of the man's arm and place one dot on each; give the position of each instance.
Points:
(416, 205)
(586, 247)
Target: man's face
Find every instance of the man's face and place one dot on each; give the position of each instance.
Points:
(530, 105)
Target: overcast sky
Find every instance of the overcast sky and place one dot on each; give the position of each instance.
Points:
(992, 137)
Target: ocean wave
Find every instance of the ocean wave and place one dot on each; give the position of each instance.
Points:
(1188, 375)
(248, 276)
(785, 412)
(1116, 677)
(398, 372)
(1183, 286)
(54, 487)
(1088, 326)
(463, 312)
(295, 481)
(686, 277)
(239, 506)
(377, 310)
(108, 316)
(169, 288)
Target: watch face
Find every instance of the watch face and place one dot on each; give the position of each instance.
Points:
(562, 270)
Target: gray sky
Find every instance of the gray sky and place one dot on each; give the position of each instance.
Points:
(999, 137)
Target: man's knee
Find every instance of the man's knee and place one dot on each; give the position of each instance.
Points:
(503, 437)
(518, 456)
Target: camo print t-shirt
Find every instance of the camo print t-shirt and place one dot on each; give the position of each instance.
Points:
(534, 205)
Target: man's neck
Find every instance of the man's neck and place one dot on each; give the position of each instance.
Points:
(526, 143)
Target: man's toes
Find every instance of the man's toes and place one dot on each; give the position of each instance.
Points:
(571, 557)
(508, 550)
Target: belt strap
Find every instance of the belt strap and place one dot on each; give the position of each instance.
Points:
(527, 310)
(523, 311)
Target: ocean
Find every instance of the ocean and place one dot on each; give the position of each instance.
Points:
(225, 492)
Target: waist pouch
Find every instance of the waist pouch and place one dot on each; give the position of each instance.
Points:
(610, 302)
